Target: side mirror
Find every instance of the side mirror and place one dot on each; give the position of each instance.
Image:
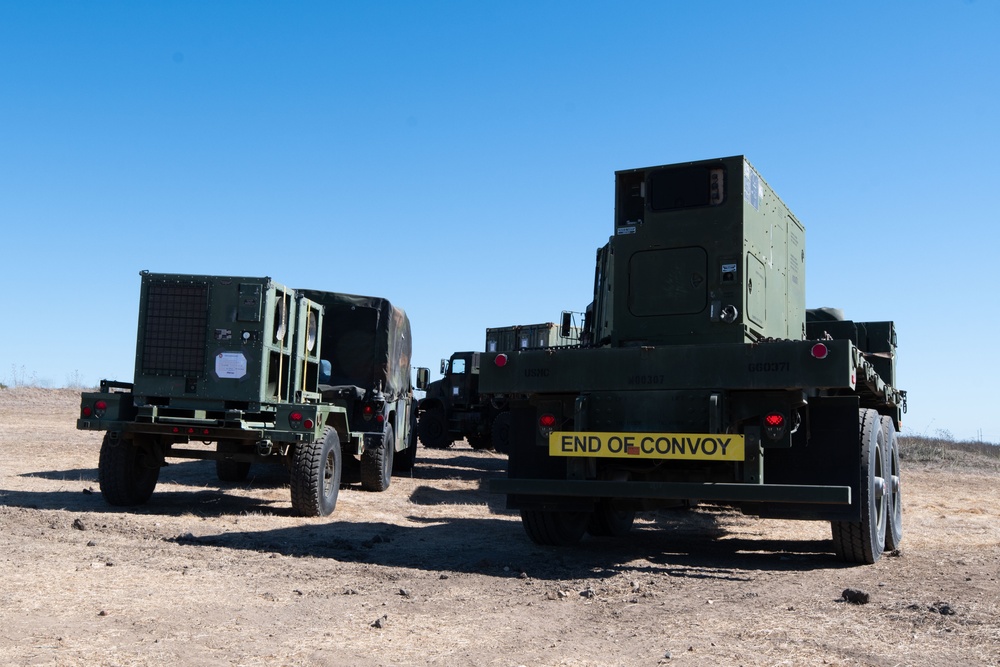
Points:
(567, 324)
(444, 366)
(423, 375)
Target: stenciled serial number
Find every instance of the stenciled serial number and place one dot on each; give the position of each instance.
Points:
(769, 366)
(646, 379)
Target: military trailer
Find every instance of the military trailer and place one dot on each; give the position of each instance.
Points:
(245, 370)
(530, 337)
(704, 378)
(454, 408)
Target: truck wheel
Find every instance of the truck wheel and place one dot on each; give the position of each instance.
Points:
(606, 521)
(478, 441)
(228, 470)
(554, 528)
(315, 478)
(894, 526)
(376, 463)
(501, 432)
(863, 541)
(128, 472)
(433, 429)
(403, 461)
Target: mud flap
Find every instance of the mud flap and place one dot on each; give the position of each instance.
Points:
(529, 459)
(371, 441)
(825, 451)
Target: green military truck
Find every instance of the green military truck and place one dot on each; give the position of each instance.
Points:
(705, 378)
(245, 370)
(455, 408)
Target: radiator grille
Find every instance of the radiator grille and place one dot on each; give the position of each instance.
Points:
(176, 321)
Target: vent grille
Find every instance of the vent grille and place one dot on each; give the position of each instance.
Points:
(176, 321)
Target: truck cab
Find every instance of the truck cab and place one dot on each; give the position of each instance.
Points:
(452, 407)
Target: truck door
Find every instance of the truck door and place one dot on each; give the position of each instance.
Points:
(459, 376)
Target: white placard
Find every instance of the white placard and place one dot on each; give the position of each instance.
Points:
(230, 365)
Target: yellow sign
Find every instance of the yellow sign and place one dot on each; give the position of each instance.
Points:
(692, 446)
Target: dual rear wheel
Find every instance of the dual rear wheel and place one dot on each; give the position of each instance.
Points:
(565, 528)
(881, 525)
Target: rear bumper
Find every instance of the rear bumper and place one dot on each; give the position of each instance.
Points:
(734, 493)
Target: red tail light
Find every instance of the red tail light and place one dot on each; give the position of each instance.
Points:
(774, 425)
(819, 351)
(500, 360)
(774, 420)
(546, 424)
(98, 410)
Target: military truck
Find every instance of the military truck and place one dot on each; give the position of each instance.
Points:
(705, 379)
(244, 370)
(454, 408)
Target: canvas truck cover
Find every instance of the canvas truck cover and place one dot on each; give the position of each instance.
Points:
(366, 340)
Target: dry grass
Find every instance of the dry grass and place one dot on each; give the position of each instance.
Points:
(947, 452)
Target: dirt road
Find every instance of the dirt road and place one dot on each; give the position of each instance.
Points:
(435, 571)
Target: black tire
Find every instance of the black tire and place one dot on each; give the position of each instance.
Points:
(863, 541)
(554, 528)
(315, 475)
(376, 463)
(894, 525)
(500, 432)
(226, 469)
(128, 472)
(479, 441)
(403, 462)
(433, 429)
(606, 521)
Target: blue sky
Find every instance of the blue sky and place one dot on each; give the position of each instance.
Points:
(458, 158)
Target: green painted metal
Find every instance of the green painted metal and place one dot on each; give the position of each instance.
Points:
(698, 325)
(703, 252)
(234, 357)
(219, 338)
(769, 493)
(771, 365)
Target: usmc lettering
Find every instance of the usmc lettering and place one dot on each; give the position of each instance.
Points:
(646, 379)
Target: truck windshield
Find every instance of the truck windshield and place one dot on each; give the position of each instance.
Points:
(458, 365)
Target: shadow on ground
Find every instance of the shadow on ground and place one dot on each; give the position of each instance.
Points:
(684, 543)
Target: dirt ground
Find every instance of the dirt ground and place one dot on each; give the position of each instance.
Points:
(435, 571)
